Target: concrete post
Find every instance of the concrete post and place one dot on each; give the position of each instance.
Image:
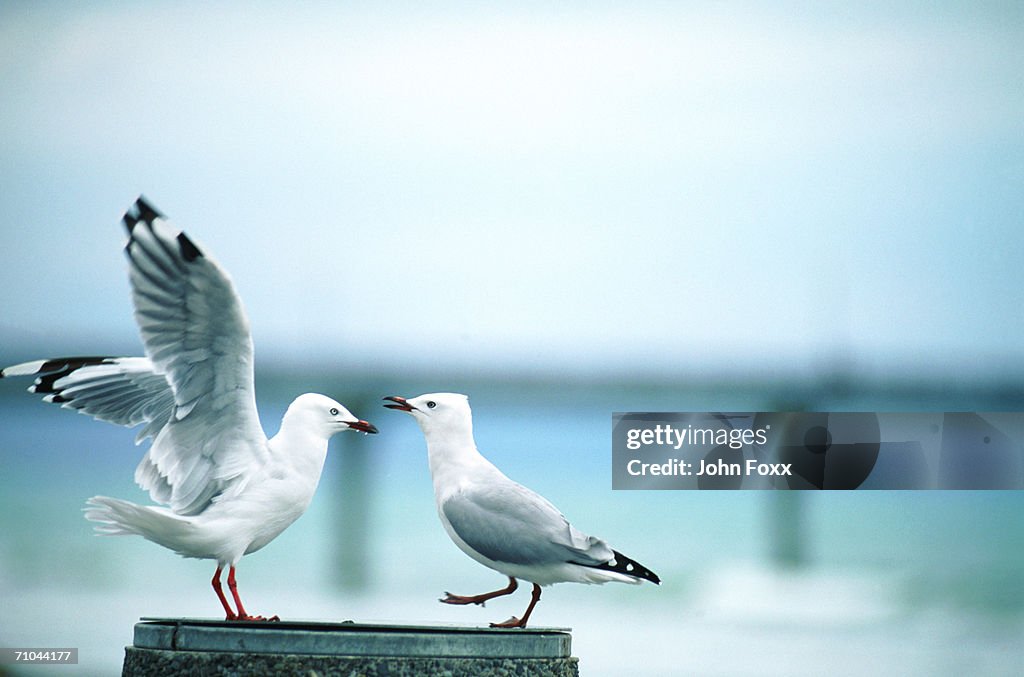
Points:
(207, 647)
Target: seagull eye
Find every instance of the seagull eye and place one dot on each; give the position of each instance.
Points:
(334, 411)
(431, 404)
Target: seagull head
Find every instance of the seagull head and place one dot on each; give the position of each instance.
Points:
(325, 415)
(435, 411)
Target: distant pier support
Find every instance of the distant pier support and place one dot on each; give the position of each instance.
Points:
(166, 646)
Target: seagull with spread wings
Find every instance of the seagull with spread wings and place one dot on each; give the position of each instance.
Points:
(224, 489)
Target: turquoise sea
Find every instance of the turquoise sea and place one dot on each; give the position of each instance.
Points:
(910, 583)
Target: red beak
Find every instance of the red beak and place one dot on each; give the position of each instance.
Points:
(400, 403)
(362, 426)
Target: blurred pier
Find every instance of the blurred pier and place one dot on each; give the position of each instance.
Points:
(785, 544)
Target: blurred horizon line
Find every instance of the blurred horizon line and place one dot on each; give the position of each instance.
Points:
(837, 372)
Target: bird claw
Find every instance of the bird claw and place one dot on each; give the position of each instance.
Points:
(449, 598)
(255, 618)
(510, 623)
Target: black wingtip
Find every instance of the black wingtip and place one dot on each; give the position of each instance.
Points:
(639, 570)
(630, 567)
(142, 210)
(148, 212)
(188, 248)
(55, 369)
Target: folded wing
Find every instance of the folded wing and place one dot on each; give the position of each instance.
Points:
(510, 523)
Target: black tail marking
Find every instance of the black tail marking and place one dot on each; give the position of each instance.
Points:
(624, 565)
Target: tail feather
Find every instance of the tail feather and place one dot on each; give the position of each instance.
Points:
(115, 517)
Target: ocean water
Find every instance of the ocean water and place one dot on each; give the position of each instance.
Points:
(913, 583)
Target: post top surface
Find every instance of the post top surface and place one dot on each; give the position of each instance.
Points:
(347, 626)
(350, 638)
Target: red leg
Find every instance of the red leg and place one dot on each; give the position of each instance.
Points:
(242, 615)
(517, 623)
(231, 615)
(449, 598)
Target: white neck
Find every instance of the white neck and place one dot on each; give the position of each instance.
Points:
(453, 458)
(300, 448)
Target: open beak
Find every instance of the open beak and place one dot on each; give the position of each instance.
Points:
(362, 426)
(400, 403)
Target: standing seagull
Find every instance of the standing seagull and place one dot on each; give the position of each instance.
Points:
(228, 490)
(502, 524)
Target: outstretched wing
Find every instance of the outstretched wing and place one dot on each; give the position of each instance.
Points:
(507, 522)
(121, 390)
(197, 336)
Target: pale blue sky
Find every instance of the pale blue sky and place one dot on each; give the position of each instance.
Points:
(541, 187)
